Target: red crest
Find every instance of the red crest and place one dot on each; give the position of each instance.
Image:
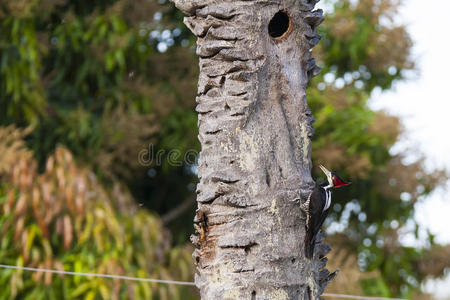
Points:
(338, 181)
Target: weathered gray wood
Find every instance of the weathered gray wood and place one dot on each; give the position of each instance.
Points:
(255, 129)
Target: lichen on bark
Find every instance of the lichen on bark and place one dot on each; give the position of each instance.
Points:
(255, 129)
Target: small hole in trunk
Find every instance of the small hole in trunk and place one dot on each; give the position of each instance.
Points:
(279, 24)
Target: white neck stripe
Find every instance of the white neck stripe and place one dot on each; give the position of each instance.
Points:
(327, 199)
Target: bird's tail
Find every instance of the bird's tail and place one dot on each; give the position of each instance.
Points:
(310, 242)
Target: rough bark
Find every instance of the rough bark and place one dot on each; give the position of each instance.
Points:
(255, 130)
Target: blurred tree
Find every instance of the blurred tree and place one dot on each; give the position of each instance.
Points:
(346, 261)
(107, 79)
(65, 219)
(364, 49)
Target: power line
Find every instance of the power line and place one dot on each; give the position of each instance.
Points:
(359, 297)
(163, 281)
(97, 275)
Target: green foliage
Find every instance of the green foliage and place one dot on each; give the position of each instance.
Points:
(20, 88)
(73, 68)
(376, 287)
(64, 219)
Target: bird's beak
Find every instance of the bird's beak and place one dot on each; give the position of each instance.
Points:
(327, 173)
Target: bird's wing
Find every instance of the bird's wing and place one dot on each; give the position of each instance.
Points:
(313, 224)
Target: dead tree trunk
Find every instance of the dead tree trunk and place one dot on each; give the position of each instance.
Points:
(255, 129)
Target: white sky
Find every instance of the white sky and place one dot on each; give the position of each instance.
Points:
(423, 104)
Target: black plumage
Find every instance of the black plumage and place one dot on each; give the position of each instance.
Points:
(316, 215)
(317, 207)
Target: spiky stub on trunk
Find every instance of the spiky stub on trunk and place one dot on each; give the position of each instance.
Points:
(255, 129)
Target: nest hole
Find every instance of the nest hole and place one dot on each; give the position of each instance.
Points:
(279, 25)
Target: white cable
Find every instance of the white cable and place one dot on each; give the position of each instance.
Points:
(165, 281)
(98, 275)
(359, 297)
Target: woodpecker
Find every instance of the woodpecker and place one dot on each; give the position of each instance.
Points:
(317, 206)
